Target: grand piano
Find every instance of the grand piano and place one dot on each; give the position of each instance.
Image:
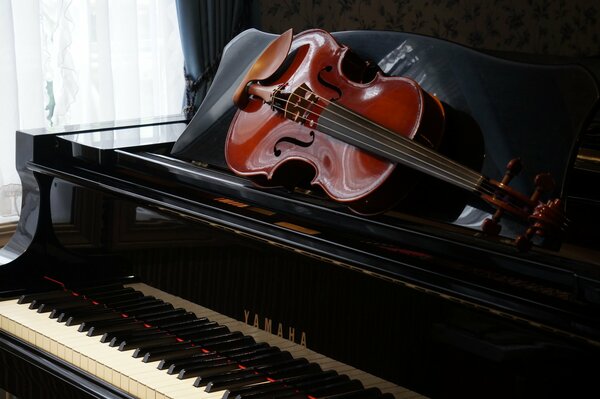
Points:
(300, 296)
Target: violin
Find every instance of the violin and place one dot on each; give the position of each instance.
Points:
(309, 101)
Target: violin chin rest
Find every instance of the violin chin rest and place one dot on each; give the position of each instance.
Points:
(267, 63)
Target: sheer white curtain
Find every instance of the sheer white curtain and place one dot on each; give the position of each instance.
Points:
(66, 62)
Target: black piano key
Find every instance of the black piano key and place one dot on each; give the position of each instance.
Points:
(207, 339)
(136, 334)
(112, 299)
(142, 343)
(99, 325)
(229, 375)
(56, 310)
(306, 384)
(144, 308)
(160, 321)
(335, 388)
(36, 303)
(237, 357)
(367, 393)
(243, 356)
(294, 387)
(120, 297)
(226, 339)
(215, 386)
(202, 330)
(153, 312)
(301, 370)
(248, 349)
(199, 321)
(69, 300)
(114, 296)
(218, 366)
(175, 366)
(244, 348)
(167, 355)
(291, 368)
(259, 389)
(153, 353)
(177, 343)
(309, 379)
(206, 359)
(140, 301)
(110, 293)
(94, 290)
(282, 391)
(75, 320)
(225, 343)
(64, 316)
(266, 359)
(187, 328)
(28, 298)
(233, 375)
(173, 318)
(182, 357)
(129, 332)
(83, 315)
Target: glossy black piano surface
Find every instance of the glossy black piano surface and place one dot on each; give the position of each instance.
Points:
(417, 296)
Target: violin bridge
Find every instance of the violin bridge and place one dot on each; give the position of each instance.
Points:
(299, 105)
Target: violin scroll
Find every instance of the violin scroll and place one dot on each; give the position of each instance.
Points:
(267, 63)
(491, 225)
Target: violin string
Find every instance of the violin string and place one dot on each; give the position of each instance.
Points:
(437, 160)
(470, 179)
(462, 181)
(483, 185)
(427, 152)
(481, 188)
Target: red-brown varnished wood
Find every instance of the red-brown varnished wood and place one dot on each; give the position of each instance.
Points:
(367, 183)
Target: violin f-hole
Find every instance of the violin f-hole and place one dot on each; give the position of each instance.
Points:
(294, 141)
(331, 86)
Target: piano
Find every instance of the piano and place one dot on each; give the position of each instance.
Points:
(136, 247)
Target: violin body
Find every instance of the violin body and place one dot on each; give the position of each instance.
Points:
(274, 148)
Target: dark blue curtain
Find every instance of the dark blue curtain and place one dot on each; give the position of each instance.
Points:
(206, 26)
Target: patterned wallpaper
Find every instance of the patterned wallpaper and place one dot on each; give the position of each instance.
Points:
(554, 27)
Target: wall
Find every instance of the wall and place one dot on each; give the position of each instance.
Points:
(560, 28)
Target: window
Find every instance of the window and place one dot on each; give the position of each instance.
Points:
(66, 62)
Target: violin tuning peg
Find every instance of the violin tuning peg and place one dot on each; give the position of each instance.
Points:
(491, 227)
(544, 182)
(546, 220)
(514, 166)
(523, 243)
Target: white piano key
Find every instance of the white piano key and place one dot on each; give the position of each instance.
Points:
(144, 380)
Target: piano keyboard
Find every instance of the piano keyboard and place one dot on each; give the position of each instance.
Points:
(151, 344)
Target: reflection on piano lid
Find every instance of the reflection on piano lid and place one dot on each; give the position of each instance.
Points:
(154, 345)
